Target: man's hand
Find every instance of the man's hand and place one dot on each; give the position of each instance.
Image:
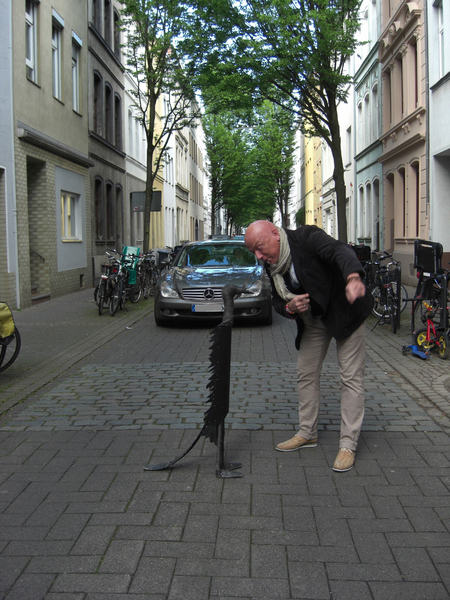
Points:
(299, 304)
(355, 288)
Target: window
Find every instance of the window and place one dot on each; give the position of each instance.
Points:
(440, 16)
(375, 112)
(70, 217)
(130, 133)
(76, 49)
(349, 145)
(415, 200)
(110, 212)
(107, 30)
(400, 196)
(367, 120)
(116, 34)
(413, 83)
(109, 113)
(98, 104)
(97, 14)
(99, 209)
(31, 39)
(117, 122)
(57, 28)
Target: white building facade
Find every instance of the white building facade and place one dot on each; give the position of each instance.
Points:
(438, 62)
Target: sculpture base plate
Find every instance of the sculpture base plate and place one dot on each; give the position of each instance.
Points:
(227, 471)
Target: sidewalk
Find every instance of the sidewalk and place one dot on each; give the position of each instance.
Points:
(81, 520)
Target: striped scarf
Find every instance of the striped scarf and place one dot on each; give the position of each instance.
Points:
(281, 267)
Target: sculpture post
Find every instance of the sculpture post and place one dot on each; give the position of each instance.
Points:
(219, 386)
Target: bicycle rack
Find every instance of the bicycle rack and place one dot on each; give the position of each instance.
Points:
(219, 386)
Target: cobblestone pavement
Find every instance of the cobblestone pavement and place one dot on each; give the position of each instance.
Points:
(173, 396)
(91, 400)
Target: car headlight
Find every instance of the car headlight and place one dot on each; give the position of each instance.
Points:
(255, 289)
(167, 291)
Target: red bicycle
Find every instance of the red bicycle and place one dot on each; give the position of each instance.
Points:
(430, 337)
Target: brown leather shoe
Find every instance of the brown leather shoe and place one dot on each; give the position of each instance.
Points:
(296, 443)
(344, 460)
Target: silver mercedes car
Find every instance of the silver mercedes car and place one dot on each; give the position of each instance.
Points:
(191, 289)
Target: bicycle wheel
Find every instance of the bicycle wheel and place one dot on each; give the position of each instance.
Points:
(378, 306)
(403, 295)
(122, 292)
(392, 312)
(101, 297)
(443, 346)
(9, 352)
(422, 340)
(424, 310)
(114, 299)
(135, 291)
(146, 284)
(153, 282)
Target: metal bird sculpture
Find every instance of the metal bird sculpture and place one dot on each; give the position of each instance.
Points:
(219, 386)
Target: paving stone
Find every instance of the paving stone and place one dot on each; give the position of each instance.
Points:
(93, 540)
(309, 580)
(111, 584)
(408, 591)
(31, 587)
(63, 564)
(122, 556)
(153, 576)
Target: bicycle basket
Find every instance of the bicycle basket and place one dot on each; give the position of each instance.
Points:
(7, 327)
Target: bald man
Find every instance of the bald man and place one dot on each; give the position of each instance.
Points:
(317, 281)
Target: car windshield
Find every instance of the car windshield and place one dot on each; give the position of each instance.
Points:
(217, 255)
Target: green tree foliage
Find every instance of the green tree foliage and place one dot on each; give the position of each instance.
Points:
(250, 161)
(300, 216)
(293, 52)
(153, 58)
(275, 129)
(226, 152)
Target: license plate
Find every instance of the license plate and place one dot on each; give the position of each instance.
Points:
(206, 308)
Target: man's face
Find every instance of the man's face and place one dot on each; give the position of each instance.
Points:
(265, 246)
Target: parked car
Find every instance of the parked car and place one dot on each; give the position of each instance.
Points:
(192, 288)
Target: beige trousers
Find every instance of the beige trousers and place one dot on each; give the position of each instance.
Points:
(351, 357)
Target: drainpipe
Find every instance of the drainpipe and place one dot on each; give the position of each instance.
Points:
(13, 161)
(427, 119)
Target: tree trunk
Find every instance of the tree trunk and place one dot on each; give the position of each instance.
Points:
(338, 173)
(151, 176)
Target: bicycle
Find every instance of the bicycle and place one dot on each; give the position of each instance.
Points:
(103, 291)
(126, 282)
(148, 275)
(432, 298)
(372, 275)
(374, 271)
(387, 303)
(116, 282)
(430, 337)
(10, 341)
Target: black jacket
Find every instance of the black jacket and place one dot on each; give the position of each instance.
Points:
(322, 265)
